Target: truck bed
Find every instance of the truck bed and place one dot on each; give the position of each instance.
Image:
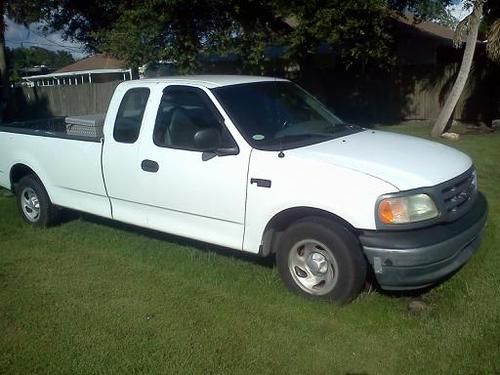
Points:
(55, 127)
(68, 165)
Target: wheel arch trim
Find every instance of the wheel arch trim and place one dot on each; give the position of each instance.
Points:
(283, 219)
(24, 169)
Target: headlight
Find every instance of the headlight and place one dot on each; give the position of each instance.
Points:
(404, 210)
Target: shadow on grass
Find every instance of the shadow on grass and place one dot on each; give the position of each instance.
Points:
(417, 293)
(268, 262)
(177, 240)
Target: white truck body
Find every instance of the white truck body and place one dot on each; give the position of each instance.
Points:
(220, 200)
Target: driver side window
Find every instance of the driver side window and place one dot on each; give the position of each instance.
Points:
(183, 112)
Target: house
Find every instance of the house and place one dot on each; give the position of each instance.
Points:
(96, 68)
(414, 87)
(423, 43)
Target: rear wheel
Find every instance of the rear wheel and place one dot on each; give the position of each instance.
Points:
(34, 202)
(321, 259)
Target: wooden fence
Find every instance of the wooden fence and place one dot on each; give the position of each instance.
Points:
(406, 93)
(45, 101)
(480, 100)
(403, 94)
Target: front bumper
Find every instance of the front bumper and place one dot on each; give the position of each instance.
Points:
(418, 258)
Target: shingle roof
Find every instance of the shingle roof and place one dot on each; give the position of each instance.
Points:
(428, 27)
(96, 62)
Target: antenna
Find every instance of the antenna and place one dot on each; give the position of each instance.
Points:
(281, 154)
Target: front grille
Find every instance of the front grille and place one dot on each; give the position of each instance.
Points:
(457, 195)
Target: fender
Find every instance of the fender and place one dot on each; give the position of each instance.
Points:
(37, 170)
(280, 221)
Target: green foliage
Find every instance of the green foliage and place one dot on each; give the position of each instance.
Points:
(489, 28)
(492, 24)
(182, 31)
(435, 10)
(446, 18)
(491, 12)
(493, 46)
(24, 11)
(174, 30)
(76, 19)
(178, 31)
(355, 31)
(19, 59)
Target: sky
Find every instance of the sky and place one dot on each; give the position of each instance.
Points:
(18, 35)
(458, 10)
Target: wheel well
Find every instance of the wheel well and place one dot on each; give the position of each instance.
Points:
(281, 221)
(17, 172)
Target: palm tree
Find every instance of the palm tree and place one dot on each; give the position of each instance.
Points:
(467, 29)
(493, 43)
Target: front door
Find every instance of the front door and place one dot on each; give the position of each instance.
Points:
(185, 193)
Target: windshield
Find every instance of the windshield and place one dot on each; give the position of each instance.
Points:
(278, 115)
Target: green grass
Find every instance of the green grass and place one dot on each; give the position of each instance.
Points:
(89, 297)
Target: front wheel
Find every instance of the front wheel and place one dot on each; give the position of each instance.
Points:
(321, 259)
(34, 203)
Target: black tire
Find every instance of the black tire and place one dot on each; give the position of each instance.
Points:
(337, 274)
(34, 203)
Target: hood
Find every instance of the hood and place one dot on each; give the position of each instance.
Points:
(403, 161)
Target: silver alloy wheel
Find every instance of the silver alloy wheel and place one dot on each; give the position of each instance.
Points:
(313, 267)
(30, 204)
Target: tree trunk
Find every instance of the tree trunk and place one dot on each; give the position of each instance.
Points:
(463, 74)
(4, 73)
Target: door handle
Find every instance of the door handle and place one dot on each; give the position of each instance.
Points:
(150, 166)
(260, 182)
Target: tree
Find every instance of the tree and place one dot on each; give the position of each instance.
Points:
(181, 31)
(4, 75)
(492, 23)
(432, 10)
(468, 30)
(19, 59)
(25, 11)
(76, 20)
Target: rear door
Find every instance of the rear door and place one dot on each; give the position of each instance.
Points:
(121, 158)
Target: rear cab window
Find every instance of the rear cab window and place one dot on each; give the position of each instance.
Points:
(130, 114)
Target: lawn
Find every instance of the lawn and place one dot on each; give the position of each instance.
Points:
(89, 296)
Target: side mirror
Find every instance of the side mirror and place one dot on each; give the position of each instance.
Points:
(208, 139)
(210, 142)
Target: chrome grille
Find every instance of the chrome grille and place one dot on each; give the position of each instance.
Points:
(457, 195)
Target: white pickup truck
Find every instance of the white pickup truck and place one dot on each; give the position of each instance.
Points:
(257, 164)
